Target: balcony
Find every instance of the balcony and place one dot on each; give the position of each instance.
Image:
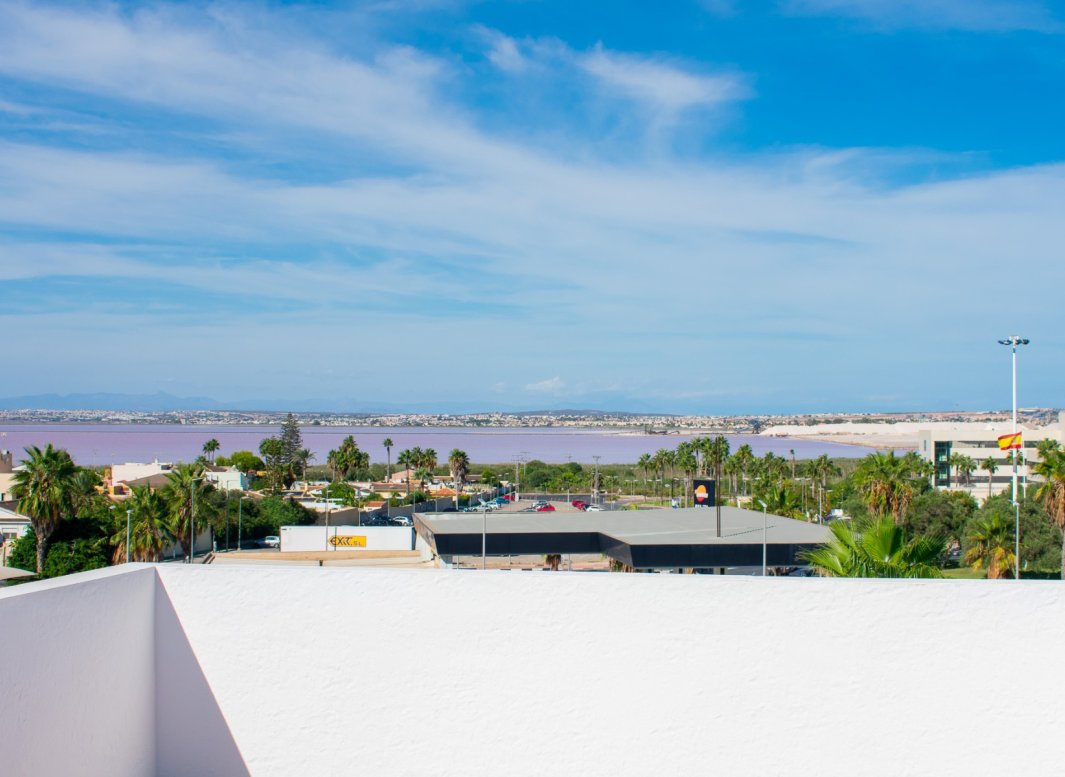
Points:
(193, 670)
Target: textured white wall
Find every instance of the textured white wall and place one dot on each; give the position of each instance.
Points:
(314, 538)
(341, 671)
(77, 675)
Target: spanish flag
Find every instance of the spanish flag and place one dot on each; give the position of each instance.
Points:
(1009, 441)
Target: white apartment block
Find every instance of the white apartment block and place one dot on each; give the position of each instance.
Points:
(938, 442)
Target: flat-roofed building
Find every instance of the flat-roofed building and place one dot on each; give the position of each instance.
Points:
(938, 443)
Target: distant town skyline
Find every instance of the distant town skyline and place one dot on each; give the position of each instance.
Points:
(704, 208)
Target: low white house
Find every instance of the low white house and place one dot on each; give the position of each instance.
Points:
(12, 526)
(124, 473)
(227, 478)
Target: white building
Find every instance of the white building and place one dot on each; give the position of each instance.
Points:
(7, 475)
(938, 442)
(12, 526)
(226, 478)
(123, 473)
(202, 670)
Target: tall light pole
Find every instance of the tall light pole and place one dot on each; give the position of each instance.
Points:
(765, 540)
(484, 536)
(129, 520)
(192, 517)
(240, 516)
(1013, 341)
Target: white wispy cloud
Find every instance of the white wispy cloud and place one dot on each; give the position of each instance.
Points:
(688, 262)
(553, 385)
(974, 15)
(664, 85)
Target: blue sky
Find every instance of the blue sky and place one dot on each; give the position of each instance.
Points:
(712, 207)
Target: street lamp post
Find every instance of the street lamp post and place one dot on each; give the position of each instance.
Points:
(129, 520)
(192, 517)
(484, 536)
(765, 528)
(240, 516)
(1013, 341)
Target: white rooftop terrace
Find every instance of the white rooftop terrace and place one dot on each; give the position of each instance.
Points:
(200, 670)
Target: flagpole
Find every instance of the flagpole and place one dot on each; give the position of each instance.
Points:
(1013, 341)
(1016, 504)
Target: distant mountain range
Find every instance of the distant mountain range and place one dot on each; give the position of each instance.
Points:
(162, 402)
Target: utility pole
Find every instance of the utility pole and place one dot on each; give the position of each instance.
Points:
(595, 481)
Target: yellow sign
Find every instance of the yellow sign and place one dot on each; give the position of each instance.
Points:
(347, 541)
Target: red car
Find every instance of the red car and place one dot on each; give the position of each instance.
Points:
(545, 509)
(579, 504)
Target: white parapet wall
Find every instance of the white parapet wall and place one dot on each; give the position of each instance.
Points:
(325, 538)
(285, 671)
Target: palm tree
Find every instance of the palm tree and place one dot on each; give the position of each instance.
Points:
(186, 487)
(149, 529)
(744, 457)
(644, 463)
(991, 546)
(990, 466)
(429, 460)
(388, 449)
(459, 464)
(878, 550)
(304, 456)
(885, 481)
(1052, 491)
(968, 467)
(782, 500)
(210, 447)
(43, 487)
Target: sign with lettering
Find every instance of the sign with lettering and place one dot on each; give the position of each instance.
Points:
(348, 541)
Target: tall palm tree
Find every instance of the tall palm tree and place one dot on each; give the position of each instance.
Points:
(429, 460)
(716, 452)
(149, 527)
(44, 487)
(304, 456)
(877, 550)
(1052, 491)
(968, 467)
(459, 464)
(990, 466)
(886, 482)
(991, 546)
(185, 489)
(644, 463)
(388, 450)
(210, 447)
(744, 458)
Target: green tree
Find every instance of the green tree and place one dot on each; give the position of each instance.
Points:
(291, 441)
(246, 461)
(210, 448)
(886, 483)
(1052, 490)
(273, 452)
(879, 549)
(44, 486)
(489, 477)
(940, 513)
(459, 464)
(989, 545)
(782, 500)
(149, 526)
(990, 466)
(186, 494)
(388, 452)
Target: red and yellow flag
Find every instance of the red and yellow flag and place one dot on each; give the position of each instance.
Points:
(1009, 441)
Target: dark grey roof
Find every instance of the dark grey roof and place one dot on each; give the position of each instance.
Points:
(641, 538)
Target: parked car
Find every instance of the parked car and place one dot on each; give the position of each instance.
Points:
(579, 504)
(593, 509)
(500, 500)
(545, 508)
(541, 503)
(272, 541)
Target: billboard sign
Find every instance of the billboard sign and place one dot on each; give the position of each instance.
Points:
(703, 492)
